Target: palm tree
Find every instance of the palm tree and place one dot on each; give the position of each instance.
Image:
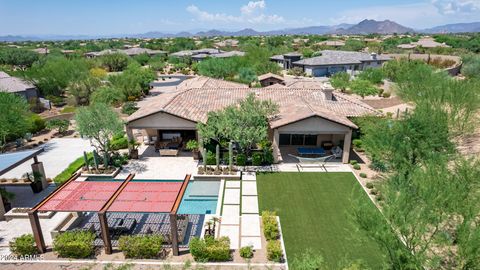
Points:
(214, 220)
(208, 225)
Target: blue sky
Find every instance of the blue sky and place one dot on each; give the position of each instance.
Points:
(101, 17)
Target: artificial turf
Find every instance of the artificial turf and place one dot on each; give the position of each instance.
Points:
(314, 213)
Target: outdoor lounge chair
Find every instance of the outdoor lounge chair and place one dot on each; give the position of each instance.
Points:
(337, 152)
(319, 161)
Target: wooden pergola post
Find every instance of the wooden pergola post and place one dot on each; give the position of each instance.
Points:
(37, 231)
(174, 234)
(102, 218)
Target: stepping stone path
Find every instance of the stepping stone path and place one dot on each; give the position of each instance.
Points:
(240, 218)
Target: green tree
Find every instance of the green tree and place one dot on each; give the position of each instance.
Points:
(373, 75)
(54, 74)
(115, 61)
(245, 123)
(340, 80)
(14, 120)
(142, 59)
(108, 95)
(99, 123)
(247, 75)
(18, 57)
(353, 45)
(363, 88)
(79, 91)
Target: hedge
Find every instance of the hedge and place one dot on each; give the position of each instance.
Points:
(274, 251)
(74, 244)
(140, 247)
(270, 225)
(23, 246)
(210, 249)
(71, 169)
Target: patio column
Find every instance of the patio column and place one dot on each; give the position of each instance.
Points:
(37, 168)
(275, 147)
(129, 133)
(102, 218)
(37, 231)
(346, 146)
(174, 234)
(2, 209)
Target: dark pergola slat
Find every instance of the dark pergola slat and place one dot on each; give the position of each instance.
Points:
(173, 215)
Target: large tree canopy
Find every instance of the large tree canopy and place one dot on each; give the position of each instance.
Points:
(245, 123)
(14, 114)
(99, 123)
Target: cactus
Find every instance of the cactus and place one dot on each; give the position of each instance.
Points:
(85, 159)
(105, 160)
(217, 156)
(95, 159)
(230, 156)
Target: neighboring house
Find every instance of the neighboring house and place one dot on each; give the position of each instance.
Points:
(270, 79)
(285, 61)
(202, 54)
(332, 43)
(330, 62)
(129, 52)
(44, 51)
(17, 86)
(227, 43)
(306, 117)
(424, 43)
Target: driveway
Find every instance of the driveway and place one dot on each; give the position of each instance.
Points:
(58, 154)
(170, 80)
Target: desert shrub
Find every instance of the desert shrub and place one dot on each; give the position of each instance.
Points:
(140, 246)
(353, 162)
(270, 225)
(373, 75)
(107, 95)
(36, 123)
(256, 159)
(56, 100)
(61, 125)
(246, 252)
(386, 94)
(118, 142)
(369, 185)
(357, 167)
(74, 244)
(378, 166)
(268, 156)
(363, 175)
(129, 107)
(115, 61)
(23, 245)
(210, 249)
(357, 143)
(274, 251)
(373, 191)
(241, 160)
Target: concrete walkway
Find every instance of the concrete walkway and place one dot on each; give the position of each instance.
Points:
(240, 219)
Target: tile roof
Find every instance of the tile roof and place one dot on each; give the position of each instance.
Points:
(13, 84)
(218, 55)
(207, 82)
(294, 104)
(195, 52)
(130, 52)
(270, 75)
(329, 57)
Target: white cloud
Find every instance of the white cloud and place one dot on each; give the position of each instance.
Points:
(449, 7)
(252, 13)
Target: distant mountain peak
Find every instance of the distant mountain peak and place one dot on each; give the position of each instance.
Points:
(369, 26)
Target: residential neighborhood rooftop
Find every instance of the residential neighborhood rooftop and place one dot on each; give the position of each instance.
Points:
(330, 57)
(13, 84)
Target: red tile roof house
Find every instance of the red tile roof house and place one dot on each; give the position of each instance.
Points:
(307, 116)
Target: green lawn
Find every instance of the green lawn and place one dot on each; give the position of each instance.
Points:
(313, 210)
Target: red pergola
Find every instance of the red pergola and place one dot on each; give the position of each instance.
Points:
(114, 196)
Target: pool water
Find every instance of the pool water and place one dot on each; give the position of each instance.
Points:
(200, 197)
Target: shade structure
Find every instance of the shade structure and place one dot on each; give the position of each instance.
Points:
(146, 197)
(81, 196)
(8, 161)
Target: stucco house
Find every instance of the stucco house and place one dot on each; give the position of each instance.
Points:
(129, 52)
(306, 117)
(17, 86)
(329, 62)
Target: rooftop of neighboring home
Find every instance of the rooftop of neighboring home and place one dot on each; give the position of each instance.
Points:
(195, 52)
(426, 42)
(269, 75)
(207, 82)
(282, 56)
(329, 57)
(227, 42)
(42, 50)
(333, 43)
(12, 84)
(129, 52)
(218, 55)
(193, 103)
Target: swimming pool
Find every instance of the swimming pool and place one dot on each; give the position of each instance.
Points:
(200, 197)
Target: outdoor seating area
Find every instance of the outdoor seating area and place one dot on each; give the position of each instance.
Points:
(188, 226)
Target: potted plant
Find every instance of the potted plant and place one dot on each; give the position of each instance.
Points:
(6, 198)
(36, 183)
(133, 146)
(192, 145)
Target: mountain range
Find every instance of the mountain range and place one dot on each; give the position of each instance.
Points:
(363, 27)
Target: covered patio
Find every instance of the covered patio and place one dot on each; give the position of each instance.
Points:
(114, 208)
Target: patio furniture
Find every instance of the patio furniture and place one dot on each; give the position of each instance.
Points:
(311, 151)
(168, 152)
(319, 161)
(337, 152)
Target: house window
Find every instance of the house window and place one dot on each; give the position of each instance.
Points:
(310, 139)
(297, 139)
(284, 139)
